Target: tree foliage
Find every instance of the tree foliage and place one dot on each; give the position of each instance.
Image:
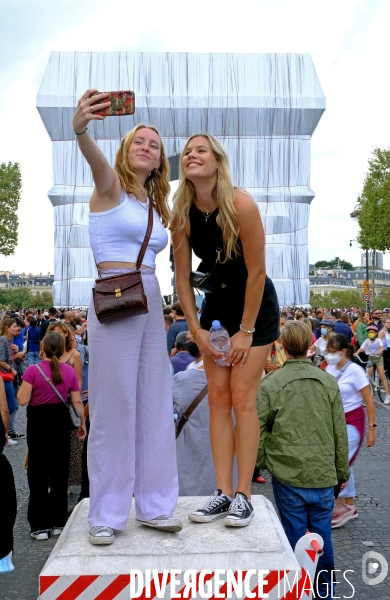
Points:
(334, 263)
(338, 299)
(10, 187)
(374, 203)
(383, 298)
(17, 298)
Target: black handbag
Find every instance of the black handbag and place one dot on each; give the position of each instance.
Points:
(212, 280)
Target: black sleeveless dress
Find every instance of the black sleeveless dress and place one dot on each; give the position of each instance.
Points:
(227, 304)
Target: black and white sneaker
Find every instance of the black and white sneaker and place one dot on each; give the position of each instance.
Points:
(217, 506)
(16, 436)
(240, 513)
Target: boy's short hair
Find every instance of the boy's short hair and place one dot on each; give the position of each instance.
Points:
(296, 337)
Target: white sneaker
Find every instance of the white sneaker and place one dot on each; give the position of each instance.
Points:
(163, 523)
(40, 535)
(57, 531)
(11, 442)
(386, 400)
(101, 535)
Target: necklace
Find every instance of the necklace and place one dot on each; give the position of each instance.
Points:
(207, 214)
(144, 205)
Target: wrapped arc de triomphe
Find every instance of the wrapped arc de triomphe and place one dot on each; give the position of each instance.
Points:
(263, 107)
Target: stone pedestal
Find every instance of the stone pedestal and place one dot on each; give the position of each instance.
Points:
(77, 569)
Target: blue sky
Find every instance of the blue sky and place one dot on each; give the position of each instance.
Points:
(348, 41)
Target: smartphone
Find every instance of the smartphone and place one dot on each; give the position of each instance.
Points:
(122, 103)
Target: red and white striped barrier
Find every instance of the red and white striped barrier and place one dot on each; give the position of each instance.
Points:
(276, 585)
(78, 571)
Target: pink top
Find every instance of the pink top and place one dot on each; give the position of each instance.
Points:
(42, 393)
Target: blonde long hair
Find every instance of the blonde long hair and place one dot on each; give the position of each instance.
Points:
(223, 193)
(156, 185)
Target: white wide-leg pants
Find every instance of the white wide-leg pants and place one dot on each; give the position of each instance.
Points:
(131, 446)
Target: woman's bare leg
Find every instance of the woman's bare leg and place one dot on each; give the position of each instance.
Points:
(221, 423)
(244, 384)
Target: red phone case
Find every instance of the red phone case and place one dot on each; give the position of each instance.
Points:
(122, 103)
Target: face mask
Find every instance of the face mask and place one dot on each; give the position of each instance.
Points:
(372, 336)
(324, 331)
(333, 359)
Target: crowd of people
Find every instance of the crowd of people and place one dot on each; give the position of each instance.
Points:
(156, 376)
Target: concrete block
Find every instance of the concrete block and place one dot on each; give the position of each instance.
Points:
(77, 569)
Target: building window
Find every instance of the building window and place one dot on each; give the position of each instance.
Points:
(325, 293)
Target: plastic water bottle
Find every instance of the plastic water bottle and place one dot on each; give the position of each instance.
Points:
(220, 341)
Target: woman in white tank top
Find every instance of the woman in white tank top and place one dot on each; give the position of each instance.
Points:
(131, 447)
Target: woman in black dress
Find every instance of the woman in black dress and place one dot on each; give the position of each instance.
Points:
(208, 212)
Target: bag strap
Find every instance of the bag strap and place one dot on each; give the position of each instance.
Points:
(146, 238)
(51, 384)
(144, 243)
(194, 404)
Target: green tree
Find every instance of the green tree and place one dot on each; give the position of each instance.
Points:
(16, 298)
(10, 186)
(346, 298)
(373, 208)
(344, 264)
(42, 300)
(383, 299)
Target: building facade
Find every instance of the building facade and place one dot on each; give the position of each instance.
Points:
(325, 281)
(36, 283)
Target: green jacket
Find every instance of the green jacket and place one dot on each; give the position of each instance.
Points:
(303, 439)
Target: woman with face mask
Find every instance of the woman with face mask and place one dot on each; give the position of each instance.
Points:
(373, 347)
(354, 390)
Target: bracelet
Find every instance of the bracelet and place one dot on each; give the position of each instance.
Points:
(373, 425)
(81, 132)
(247, 331)
(193, 332)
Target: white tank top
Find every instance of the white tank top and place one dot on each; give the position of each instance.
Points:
(116, 235)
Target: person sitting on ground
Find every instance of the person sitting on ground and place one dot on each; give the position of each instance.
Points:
(193, 349)
(193, 449)
(180, 324)
(182, 357)
(304, 445)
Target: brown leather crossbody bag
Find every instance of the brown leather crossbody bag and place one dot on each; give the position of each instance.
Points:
(123, 295)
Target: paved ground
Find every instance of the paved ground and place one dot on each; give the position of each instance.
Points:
(373, 525)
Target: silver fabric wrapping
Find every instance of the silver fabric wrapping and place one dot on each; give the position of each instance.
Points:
(263, 107)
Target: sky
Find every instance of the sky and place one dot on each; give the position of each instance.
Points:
(348, 41)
